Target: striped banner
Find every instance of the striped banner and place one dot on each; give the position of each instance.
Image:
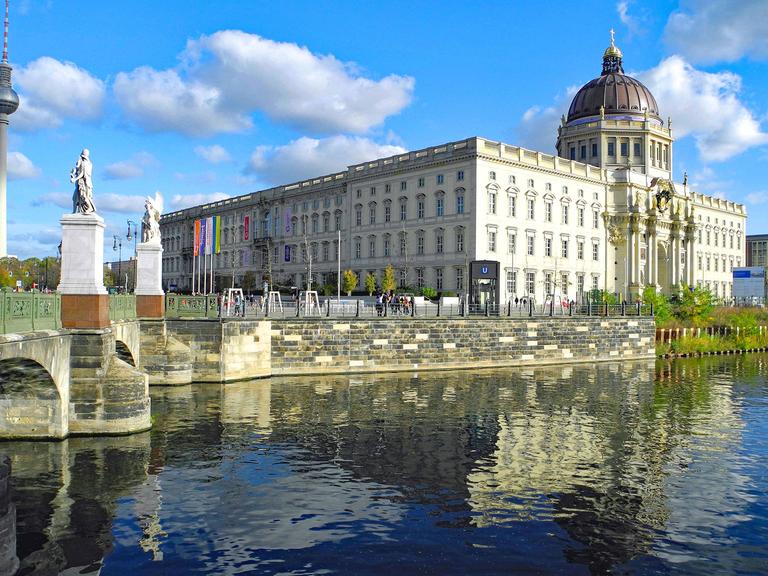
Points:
(203, 235)
(246, 228)
(197, 237)
(208, 234)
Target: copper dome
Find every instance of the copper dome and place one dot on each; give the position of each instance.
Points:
(616, 92)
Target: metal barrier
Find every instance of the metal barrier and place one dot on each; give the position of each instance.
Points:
(181, 306)
(28, 311)
(122, 307)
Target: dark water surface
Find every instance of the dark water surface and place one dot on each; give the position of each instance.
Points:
(629, 468)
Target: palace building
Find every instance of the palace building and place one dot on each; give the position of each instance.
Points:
(491, 219)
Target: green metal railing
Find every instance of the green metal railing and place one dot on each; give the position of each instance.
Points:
(27, 311)
(180, 306)
(122, 307)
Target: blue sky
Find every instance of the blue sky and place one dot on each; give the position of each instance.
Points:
(202, 100)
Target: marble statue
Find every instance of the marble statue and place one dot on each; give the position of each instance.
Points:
(81, 177)
(150, 222)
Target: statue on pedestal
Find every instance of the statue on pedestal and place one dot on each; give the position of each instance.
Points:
(150, 222)
(81, 177)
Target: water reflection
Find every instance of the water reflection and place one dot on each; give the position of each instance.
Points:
(639, 466)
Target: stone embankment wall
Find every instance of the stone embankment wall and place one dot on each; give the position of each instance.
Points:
(321, 346)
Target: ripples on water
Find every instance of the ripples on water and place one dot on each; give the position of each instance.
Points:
(628, 468)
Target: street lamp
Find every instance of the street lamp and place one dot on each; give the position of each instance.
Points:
(133, 237)
(117, 245)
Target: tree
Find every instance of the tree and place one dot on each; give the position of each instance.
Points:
(349, 282)
(428, 292)
(328, 289)
(109, 279)
(388, 282)
(370, 283)
(695, 304)
(662, 310)
(248, 282)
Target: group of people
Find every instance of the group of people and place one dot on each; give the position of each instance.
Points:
(396, 304)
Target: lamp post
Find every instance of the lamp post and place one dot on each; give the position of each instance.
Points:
(117, 245)
(133, 237)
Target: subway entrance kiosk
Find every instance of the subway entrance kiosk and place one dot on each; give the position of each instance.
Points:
(484, 285)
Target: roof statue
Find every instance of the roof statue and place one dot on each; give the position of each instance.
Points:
(81, 177)
(150, 222)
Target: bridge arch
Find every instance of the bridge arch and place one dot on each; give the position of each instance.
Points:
(34, 386)
(128, 341)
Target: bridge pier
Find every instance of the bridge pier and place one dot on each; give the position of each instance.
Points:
(106, 394)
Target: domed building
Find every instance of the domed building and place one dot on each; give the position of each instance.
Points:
(487, 219)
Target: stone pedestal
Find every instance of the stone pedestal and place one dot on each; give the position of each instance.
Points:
(149, 272)
(84, 300)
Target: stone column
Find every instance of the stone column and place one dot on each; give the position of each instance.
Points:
(149, 271)
(84, 300)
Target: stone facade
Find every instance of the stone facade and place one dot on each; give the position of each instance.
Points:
(306, 347)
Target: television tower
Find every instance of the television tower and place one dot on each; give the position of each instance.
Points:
(9, 102)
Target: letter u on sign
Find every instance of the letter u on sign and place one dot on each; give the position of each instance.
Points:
(484, 269)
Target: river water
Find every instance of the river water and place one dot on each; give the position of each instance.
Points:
(646, 467)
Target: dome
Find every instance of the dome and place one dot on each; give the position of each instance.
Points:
(614, 91)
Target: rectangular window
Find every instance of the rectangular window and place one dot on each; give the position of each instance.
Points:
(387, 188)
(358, 193)
(565, 214)
(460, 240)
(403, 212)
(580, 283)
(420, 245)
(420, 208)
(372, 247)
(403, 185)
(564, 284)
(491, 203)
(439, 243)
(439, 278)
(511, 283)
(595, 282)
(387, 249)
(359, 216)
(358, 248)
(439, 206)
(421, 182)
(512, 209)
(573, 153)
(564, 248)
(547, 246)
(439, 178)
(548, 283)
(387, 213)
(580, 250)
(459, 278)
(581, 217)
(530, 283)
(625, 149)
(372, 215)
(491, 241)
(595, 251)
(419, 277)
(403, 244)
(512, 243)
(460, 204)
(595, 219)
(636, 148)
(326, 252)
(548, 211)
(373, 190)
(460, 175)
(530, 245)
(611, 149)
(594, 150)
(583, 151)
(531, 206)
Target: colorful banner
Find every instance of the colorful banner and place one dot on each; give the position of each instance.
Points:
(217, 234)
(246, 228)
(203, 226)
(287, 253)
(208, 234)
(197, 238)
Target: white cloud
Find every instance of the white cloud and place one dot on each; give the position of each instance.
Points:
(709, 31)
(132, 168)
(308, 157)
(181, 201)
(631, 22)
(227, 76)
(20, 167)
(760, 197)
(537, 129)
(110, 202)
(50, 91)
(706, 106)
(215, 154)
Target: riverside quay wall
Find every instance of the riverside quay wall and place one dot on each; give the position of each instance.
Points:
(375, 345)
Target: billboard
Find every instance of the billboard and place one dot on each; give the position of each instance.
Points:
(749, 282)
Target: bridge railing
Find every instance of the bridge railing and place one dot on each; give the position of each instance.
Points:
(122, 307)
(27, 311)
(182, 306)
